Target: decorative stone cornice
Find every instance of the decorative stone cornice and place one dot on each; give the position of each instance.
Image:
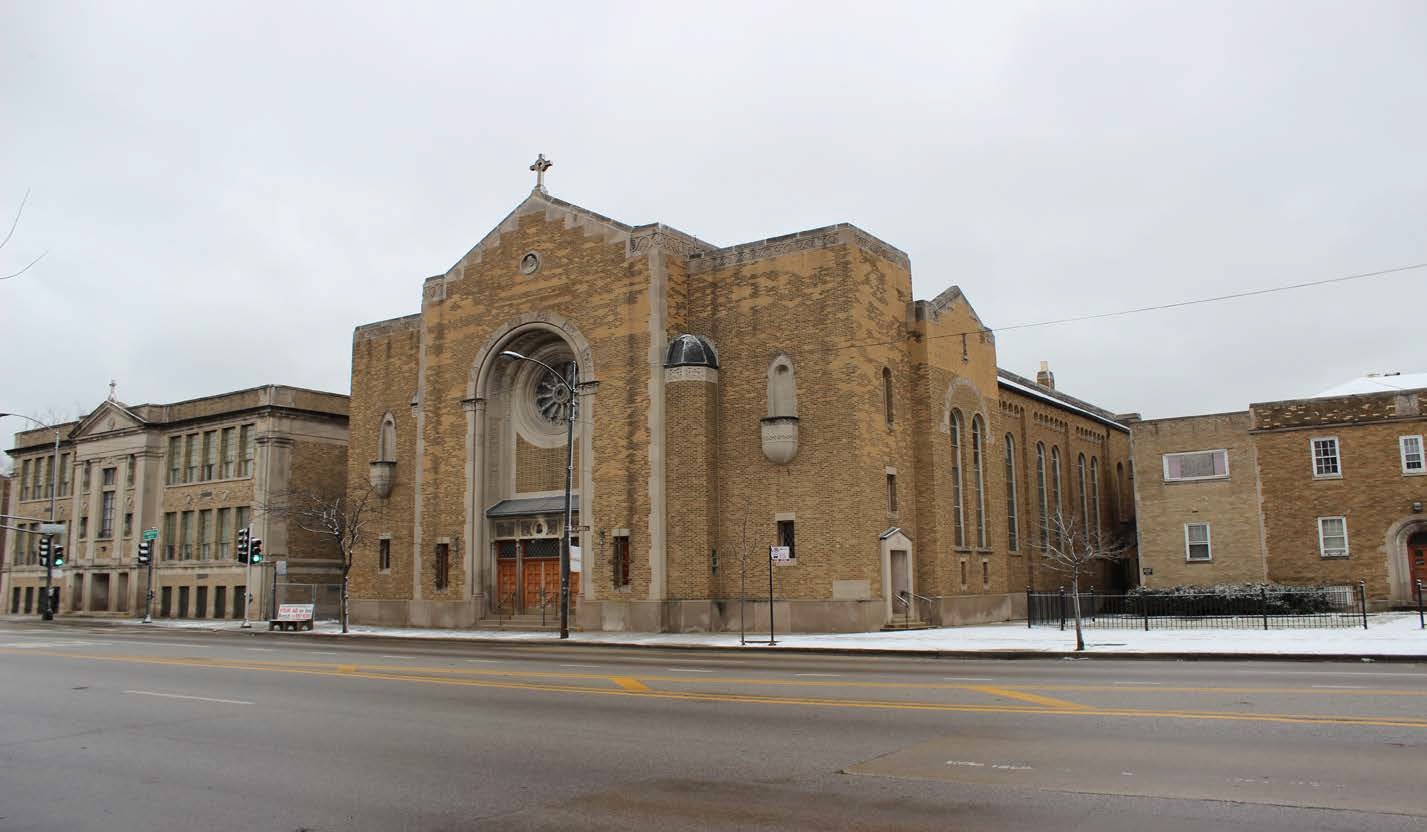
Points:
(690, 373)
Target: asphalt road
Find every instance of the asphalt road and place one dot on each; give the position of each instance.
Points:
(117, 728)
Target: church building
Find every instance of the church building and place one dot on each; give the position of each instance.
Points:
(784, 392)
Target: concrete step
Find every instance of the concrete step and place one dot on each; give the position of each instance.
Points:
(913, 624)
(519, 622)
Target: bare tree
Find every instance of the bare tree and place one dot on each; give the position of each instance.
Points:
(339, 515)
(11, 233)
(1074, 548)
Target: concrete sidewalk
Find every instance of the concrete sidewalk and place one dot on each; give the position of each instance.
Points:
(1389, 637)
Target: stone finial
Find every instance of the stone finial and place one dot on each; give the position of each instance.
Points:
(1044, 377)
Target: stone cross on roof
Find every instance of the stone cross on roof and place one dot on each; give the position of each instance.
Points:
(112, 384)
(541, 165)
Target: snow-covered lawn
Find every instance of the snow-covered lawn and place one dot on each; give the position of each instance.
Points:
(1395, 634)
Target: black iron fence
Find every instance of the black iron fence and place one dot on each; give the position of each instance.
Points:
(1251, 607)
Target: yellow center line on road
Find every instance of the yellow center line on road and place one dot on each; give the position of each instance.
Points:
(629, 683)
(406, 675)
(1025, 697)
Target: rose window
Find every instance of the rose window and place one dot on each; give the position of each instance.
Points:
(552, 399)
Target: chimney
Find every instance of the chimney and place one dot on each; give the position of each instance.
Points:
(1044, 377)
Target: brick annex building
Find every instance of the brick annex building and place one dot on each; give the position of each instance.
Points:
(791, 387)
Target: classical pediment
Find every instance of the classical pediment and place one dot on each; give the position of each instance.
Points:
(109, 417)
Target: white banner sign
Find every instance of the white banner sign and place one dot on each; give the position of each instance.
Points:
(781, 555)
(294, 612)
(575, 559)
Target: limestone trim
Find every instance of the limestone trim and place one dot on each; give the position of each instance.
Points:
(537, 202)
(897, 541)
(691, 373)
(957, 391)
(814, 238)
(658, 339)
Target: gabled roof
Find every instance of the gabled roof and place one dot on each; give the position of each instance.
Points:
(1020, 384)
(110, 415)
(1385, 383)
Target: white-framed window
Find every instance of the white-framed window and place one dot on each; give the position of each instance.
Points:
(1196, 542)
(1412, 459)
(1197, 465)
(1325, 456)
(1333, 537)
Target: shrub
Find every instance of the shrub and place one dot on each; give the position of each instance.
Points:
(1244, 599)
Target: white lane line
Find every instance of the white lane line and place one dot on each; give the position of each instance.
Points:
(1341, 687)
(1348, 673)
(579, 665)
(818, 674)
(484, 661)
(686, 670)
(324, 652)
(181, 696)
(390, 656)
(967, 679)
(1138, 684)
(259, 649)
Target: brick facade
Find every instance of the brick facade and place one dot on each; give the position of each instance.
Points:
(680, 460)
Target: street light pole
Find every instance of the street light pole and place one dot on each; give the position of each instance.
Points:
(46, 608)
(571, 384)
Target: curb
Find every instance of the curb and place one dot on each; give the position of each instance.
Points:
(876, 652)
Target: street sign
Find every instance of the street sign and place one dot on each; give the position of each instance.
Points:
(151, 534)
(51, 528)
(781, 555)
(280, 566)
(579, 528)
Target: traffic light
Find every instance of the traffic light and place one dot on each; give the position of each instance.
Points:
(144, 553)
(59, 556)
(243, 545)
(45, 551)
(256, 550)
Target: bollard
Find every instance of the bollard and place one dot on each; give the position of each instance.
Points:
(1263, 605)
(1092, 603)
(1363, 601)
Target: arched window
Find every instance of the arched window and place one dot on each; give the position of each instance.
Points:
(1041, 495)
(958, 531)
(1013, 532)
(887, 393)
(1084, 490)
(1094, 521)
(979, 479)
(1119, 490)
(386, 440)
(1056, 506)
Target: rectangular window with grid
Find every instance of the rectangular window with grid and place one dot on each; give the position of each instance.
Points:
(248, 440)
(64, 475)
(170, 538)
(210, 454)
(892, 493)
(1411, 449)
(190, 458)
(205, 531)
(1196, 465)
(1333, 537)
(228, 451)
(25, 480)
(224, 533)
(621, 560)
(1325, 457)
(106, 515)
(786, 537)
(185, 524)
(110, 476)
(1196, 542)
(175, 461)
(384, 554)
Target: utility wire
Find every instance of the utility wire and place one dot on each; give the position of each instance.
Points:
(1155, 308)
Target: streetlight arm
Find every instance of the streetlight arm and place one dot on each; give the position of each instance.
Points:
(553, 371)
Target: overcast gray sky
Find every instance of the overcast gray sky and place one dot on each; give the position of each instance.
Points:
(225, 190)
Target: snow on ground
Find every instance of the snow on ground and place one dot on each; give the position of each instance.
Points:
(1395, 634)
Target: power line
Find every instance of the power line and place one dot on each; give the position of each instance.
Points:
(1155, 308)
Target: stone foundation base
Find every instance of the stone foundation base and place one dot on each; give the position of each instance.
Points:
(449, 615)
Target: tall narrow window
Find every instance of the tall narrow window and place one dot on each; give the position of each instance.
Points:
(170, 538)
(1094, 521)
(250, 450)
(887, 393)
(1056, 506)
(106, 515)
(224, 533)
(978, 478)
(175, 461)
(386, 440)
(185, 532)
(786, 538)
(1041, 495)
(621, 561)
(128, 524)
(1410, 448)
(443, 565)
(87, 469)
(1333, 537)
(892, 493)
(1325, 457)
(109, 476)
(210, 454)
(25, 480)
(1013, 531)
(228, 450)
(49, 476)
(133, 463)
(1119, 491)
(1084, 495)
(205, 532)
(190, 458)
(958, 531)
(384, 554)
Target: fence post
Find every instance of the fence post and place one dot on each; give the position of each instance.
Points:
(1062, 609)
(1145, 608)
(1092, 603)
(1421, 622)
(1363, 601)
(1028, 602)
(1263, 605)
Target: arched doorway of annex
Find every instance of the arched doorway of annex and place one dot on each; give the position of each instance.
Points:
(1406, 547)
(516, 453)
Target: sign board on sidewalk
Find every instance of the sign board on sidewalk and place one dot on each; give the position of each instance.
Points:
(151, 534)
(280, 566)
(295, 612)
(781, 555)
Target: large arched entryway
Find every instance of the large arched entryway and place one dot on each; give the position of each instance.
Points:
(518, 462)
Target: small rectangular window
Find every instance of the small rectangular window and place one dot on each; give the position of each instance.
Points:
(985, 573)
(963, 574)
(384, 554)
(110, 476)
(443, 565)
(1325, 457)
(83, 527)
(621, 560)
(785, 538)
(1196, 542)
(892, 493)
(1411, 448)
(128, 524)
(133, 463)
(1333, 537)
(1196, 465)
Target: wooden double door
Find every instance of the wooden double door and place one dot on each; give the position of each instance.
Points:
(528, 575)
(1417, 560)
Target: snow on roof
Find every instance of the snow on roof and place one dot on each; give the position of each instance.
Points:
(1008, 379)
(1376, 384)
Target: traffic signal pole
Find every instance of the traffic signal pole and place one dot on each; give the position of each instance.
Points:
(47, 611)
